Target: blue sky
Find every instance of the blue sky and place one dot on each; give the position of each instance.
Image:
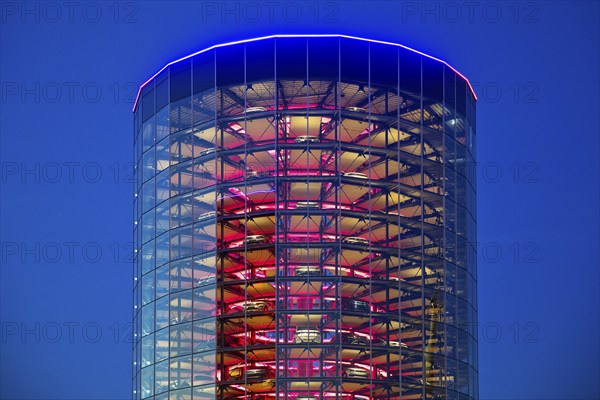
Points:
(69, 73)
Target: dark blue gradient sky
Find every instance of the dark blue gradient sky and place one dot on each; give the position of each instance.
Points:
(69, 72)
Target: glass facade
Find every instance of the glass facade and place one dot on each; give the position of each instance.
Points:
(305, 225)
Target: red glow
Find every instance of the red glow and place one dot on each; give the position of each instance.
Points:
(237, 192)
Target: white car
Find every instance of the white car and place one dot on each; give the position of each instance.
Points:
(255, 109)
(258, 305)
(207, 152)
(356, 373)
(207, 280)
(358, 175)
(355, 240)
(307, 336)
(395, 343)
(308, 270)
(207, 215)
(307, 139)
(356, 109)
(251, 239)
(252, 373)
(307, 204)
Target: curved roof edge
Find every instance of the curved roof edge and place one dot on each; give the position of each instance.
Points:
(137, 97)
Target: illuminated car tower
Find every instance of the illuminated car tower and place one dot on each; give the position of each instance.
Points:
(305, 224)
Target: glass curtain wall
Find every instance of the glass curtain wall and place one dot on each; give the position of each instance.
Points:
(305, 225)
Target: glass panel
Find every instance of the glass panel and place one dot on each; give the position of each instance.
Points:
(204, 72)
(261, 61)
(181, 307)
(204, 369)
(181, 340)
(148, 134)
(181, 275)
(204, 304)
(162, 344)
(181, 243)
(163, 186)
(148, 288)
(291, 58)
(148, 103)
(148, 195)
(354, 61)
(204, 335)
(148, 351)
(148, 165)
(162, 91)
(161, 378)
(181, 115)
(162, 314)
(230, 65)
(162, 249)
(147, 382)
(148, 258)
(162, 124)
(180, 80)
(148, 227)
(147, 319)
(162, 218)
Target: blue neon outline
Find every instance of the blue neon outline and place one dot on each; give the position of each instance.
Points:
(216, 46)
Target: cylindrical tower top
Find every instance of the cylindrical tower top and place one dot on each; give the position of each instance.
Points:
(281, 39)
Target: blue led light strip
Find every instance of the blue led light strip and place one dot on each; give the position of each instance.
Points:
(299, 36)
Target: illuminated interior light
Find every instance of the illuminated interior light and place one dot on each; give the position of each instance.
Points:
(237, 127)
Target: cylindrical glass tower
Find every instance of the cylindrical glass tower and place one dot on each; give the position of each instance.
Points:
(305, 225)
